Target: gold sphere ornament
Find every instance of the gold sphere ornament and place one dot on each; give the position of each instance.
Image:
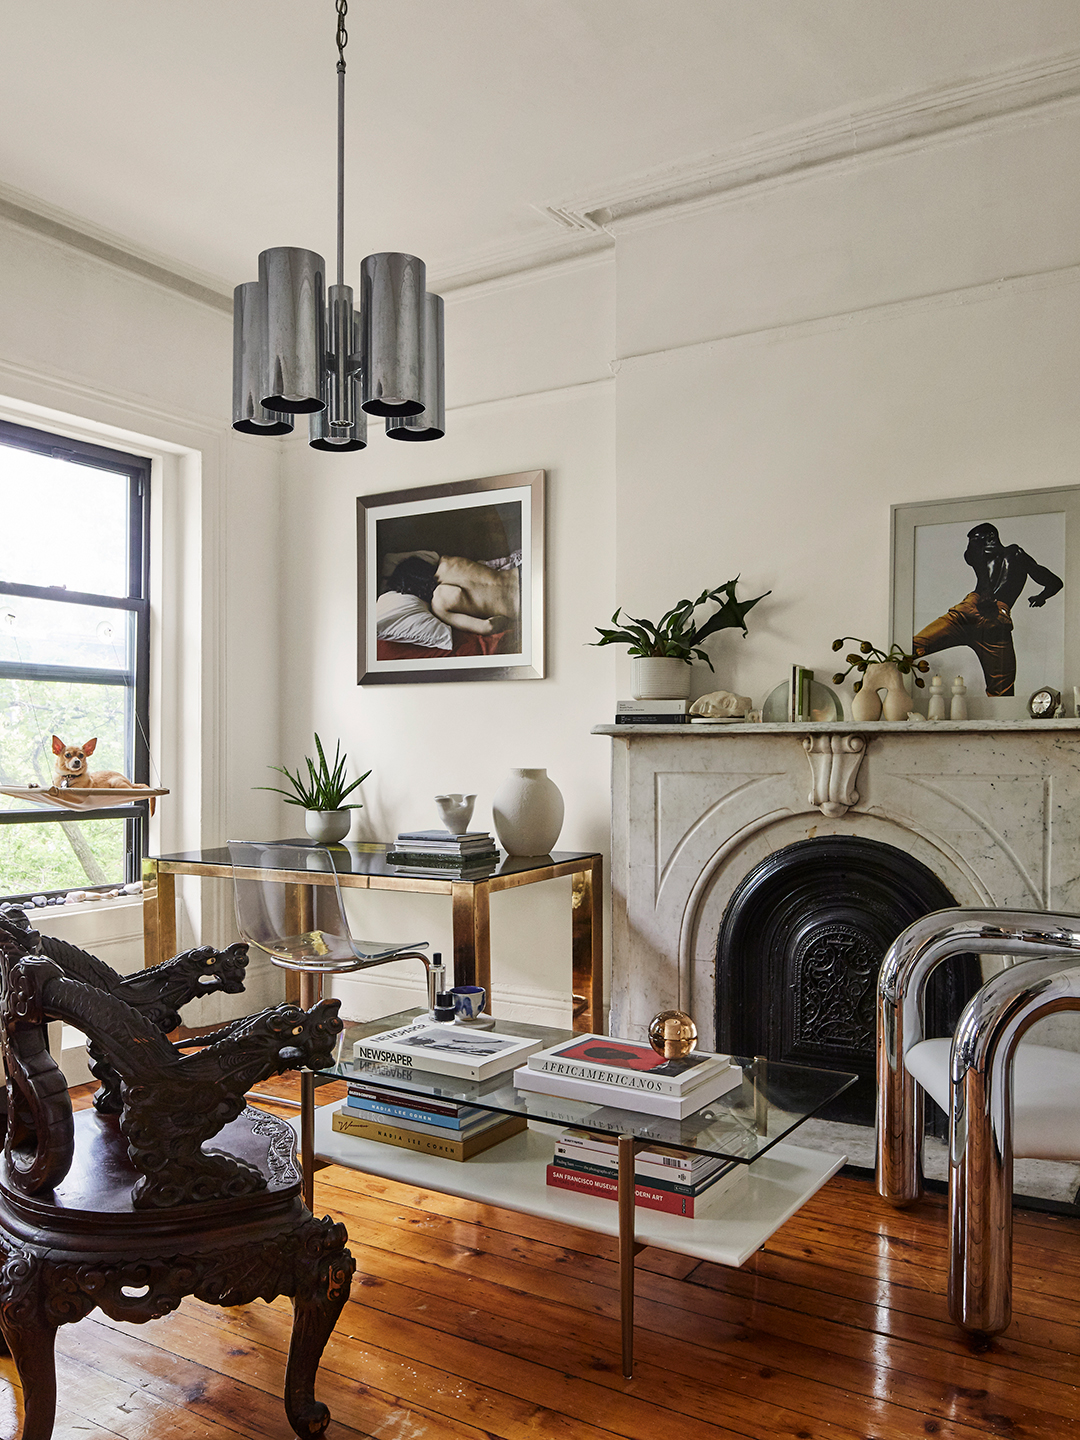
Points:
(672, 1034)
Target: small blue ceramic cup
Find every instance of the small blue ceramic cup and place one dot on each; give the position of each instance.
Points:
(468, 1001)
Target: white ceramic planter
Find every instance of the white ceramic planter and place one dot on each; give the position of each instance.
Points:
(656, 677)
(327, 826)
(528, 813)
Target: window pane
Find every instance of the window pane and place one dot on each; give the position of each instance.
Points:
(55, 632)
(78, 515)
(66, 856)
(33, 711)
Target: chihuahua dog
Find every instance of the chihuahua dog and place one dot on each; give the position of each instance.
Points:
(72, 770)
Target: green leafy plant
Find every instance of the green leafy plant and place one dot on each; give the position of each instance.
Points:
(323, 788)
(677, 635)
(872, 655)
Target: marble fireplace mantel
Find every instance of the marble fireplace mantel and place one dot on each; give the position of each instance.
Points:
(991, 807)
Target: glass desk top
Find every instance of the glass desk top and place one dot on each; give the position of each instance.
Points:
(772, 1100)
(367, 858)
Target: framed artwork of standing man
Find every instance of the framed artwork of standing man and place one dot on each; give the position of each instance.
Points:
(984, 587)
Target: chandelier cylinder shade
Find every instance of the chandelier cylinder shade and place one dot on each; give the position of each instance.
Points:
(392, 289)
(294, 284)
(250, 416)
(431, 425)
(322, 435)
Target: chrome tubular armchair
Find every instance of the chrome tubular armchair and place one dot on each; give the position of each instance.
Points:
(972, 1078)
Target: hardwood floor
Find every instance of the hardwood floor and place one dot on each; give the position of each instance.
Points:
(467, 1321)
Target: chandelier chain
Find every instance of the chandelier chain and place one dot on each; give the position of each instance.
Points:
(342, 33)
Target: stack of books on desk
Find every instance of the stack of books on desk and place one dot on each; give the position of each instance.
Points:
(678, 1182)
(652, 712)
(427, 850)
(417, 1122)
(628, 1075)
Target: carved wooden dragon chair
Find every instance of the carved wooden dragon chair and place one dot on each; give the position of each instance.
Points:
(126, 1207)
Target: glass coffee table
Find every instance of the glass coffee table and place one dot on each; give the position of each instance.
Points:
(749, 1125)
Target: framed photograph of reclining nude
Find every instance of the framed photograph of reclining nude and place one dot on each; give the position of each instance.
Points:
(985, 587)
(451, 581)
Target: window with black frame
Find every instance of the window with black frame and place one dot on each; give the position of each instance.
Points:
(74, 653)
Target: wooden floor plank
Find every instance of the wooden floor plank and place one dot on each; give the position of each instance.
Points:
(680, 1339)
(471, 1323)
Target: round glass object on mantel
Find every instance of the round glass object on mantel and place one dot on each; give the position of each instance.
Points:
(825, 704)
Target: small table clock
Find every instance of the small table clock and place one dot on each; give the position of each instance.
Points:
(1043, 703)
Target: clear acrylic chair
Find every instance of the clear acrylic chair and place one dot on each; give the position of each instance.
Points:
(310, 935)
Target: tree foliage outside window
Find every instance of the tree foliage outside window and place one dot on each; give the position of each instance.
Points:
(73, 651)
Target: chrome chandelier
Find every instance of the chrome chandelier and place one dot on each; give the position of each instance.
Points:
(300, 349)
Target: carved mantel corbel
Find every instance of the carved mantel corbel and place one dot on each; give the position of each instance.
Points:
(834, 765)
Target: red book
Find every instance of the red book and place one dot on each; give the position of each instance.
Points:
(645, 1197)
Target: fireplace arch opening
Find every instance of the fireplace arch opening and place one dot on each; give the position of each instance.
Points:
(798, 954)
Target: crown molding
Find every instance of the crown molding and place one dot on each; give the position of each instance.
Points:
(1032, 90)
(504, 262)
(585, 226)
(31, 213)
(923, 118)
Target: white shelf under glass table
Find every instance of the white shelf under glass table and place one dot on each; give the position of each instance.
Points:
(749, 1125)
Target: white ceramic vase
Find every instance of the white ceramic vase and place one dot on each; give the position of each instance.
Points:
(882, 675)
(528, 813)
(658, 677)
(327, 826)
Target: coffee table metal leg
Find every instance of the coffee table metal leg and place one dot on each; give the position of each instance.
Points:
(628, 1248)
(472, 937)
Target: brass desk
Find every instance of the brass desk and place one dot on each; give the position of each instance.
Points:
(364, 867)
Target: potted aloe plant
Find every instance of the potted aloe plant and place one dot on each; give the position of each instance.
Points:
(322, 793)
(663, 651)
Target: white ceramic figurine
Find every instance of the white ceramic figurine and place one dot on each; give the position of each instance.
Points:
(721, 703)
(456, 811)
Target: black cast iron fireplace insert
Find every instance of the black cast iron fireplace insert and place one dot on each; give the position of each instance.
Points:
(800, 946)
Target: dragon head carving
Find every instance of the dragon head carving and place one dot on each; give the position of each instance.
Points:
(210, 970)
(306, 1037)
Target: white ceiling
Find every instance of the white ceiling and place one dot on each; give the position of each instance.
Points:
(203, 130)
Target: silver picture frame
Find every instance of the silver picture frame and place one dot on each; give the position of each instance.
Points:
(429, 528)
(933, 580)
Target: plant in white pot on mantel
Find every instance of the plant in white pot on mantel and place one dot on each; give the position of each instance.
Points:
(322, 794)
(664, 651)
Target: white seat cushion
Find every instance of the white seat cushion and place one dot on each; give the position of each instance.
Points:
(1046, 1095)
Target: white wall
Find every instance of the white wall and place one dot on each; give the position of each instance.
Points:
(528, 388)
(740, 385)
(90, 350)
(796, 359)
(790, 360)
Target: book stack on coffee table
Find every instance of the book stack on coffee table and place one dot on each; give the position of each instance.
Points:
(377, 1109)
(416, 1122)
(427, 851)
(678, 1182)
(628, 1075)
